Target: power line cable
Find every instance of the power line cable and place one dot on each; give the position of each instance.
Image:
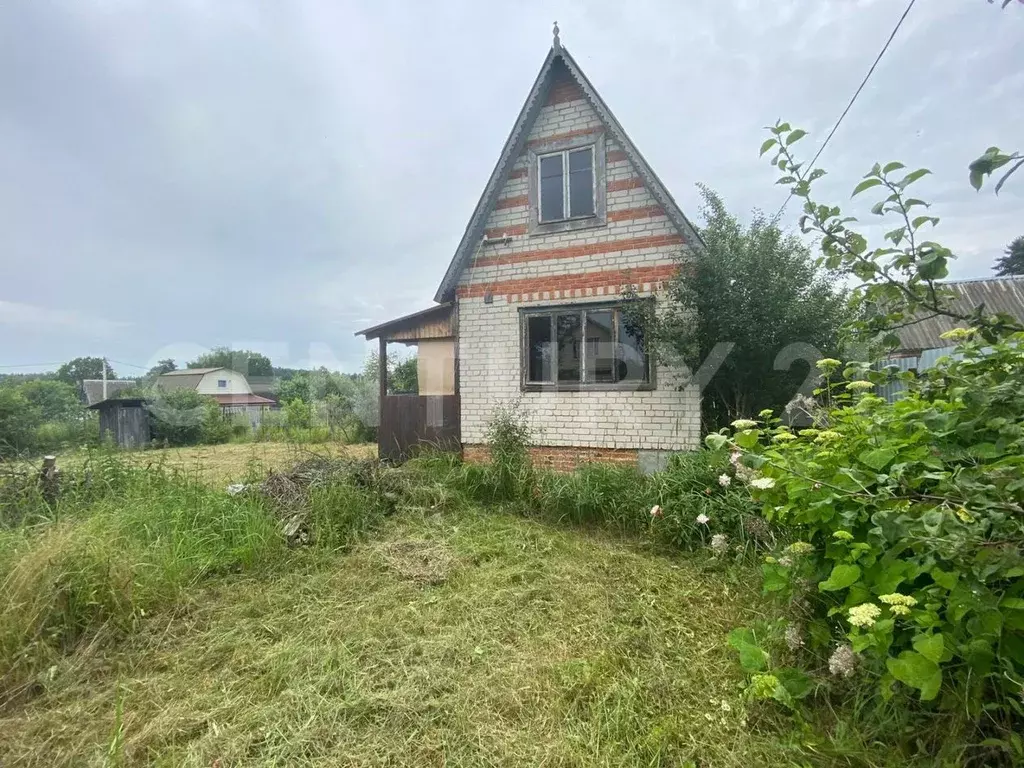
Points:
(130, 365)
(860, 88)
(32, 365)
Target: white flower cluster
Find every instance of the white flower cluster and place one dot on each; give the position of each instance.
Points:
(843, 661)
(720, 543)
(762, 483)
(744, 424)
(794, 637)
(724, 480)
(899, 605)
(703, 519)
(864, 615)
(743, 473)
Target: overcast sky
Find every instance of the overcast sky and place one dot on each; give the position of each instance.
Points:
(181, 174)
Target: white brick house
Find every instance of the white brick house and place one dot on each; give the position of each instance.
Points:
(571, 217)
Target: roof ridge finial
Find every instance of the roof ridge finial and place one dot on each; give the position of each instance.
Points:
(557, 44)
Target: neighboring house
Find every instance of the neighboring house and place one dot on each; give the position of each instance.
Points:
(921, 343)
(92, 389)
(229, 388)
(571, 221)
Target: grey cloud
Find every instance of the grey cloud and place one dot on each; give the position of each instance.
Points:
(199, 173)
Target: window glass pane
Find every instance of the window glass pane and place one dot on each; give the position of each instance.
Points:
(552, 189)
(600, 346)
(581, 183)
(540, 350)
(569, 331)
(631, 360)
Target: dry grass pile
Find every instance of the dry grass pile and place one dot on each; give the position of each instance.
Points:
(419, 560)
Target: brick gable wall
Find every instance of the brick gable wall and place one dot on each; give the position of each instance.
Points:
(638, 246)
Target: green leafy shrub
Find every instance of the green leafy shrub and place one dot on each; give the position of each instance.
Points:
(914, 513)
(18, 419)
(511, 469)
(53, 436)
(178, 417)
(907, 572)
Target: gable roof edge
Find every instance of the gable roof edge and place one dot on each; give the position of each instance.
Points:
(512, 149)
(650, 178)
(499, 176)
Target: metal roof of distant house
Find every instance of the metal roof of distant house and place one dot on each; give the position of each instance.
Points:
(243, 400)
(192, 371)
(186, 378)
(998, 294)
(93, 389)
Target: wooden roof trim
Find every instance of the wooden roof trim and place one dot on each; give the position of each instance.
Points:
(399, 323)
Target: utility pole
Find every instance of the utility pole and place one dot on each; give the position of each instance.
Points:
(104, 378)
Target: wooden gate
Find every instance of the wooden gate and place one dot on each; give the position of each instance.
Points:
(411, 423)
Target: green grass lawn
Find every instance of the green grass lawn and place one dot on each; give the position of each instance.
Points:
(459, 639)
(218, 465)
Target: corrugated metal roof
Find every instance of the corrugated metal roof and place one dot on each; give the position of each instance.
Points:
(93, 389)
(187, 379)
(243, 400)
(998, 294)
(192, 371)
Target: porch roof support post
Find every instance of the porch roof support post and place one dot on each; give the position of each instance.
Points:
(383, 370)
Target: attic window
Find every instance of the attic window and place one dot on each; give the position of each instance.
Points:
(222, 383)
(566, 185)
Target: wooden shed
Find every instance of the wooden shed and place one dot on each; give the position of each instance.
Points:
(125, 422)
(430, 417)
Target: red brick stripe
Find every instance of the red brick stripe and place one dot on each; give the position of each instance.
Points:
(615, 155)
(587, 249)
(519, 173)
(617, 186)
(582, 281)
(558, 458)
(511, 202)
(636, 213)
(628, 214)
(563, 91)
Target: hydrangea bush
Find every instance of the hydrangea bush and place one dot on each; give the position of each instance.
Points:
(910, 516)
(908, 572)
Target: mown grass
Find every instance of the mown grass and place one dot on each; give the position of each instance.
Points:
(542, 646)
(152, 619)
(218, 465)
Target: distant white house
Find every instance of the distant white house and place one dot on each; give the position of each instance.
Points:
(229, 388)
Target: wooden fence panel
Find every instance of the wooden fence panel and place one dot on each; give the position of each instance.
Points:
(409, 423)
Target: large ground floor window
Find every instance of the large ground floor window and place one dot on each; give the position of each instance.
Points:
(599, 346)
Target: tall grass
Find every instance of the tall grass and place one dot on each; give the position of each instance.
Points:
(619, 498)
(121, 541)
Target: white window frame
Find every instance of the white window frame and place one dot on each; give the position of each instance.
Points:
(566, 197)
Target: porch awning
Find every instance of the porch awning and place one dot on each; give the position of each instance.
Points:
(433, 323)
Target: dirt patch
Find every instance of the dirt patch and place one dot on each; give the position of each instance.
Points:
(419, 560)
